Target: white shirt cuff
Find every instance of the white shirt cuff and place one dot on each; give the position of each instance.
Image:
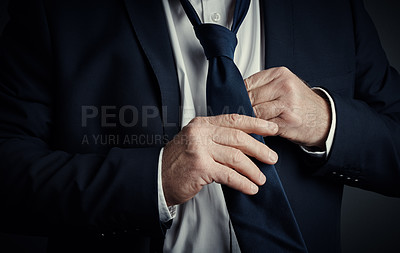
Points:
(331, 134)
(166, 213)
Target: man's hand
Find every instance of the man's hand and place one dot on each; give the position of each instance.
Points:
(279, 96)
(212, 149)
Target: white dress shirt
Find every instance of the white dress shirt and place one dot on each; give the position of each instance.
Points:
(202, 224)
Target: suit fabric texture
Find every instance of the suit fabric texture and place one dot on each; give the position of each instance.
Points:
(89, 95)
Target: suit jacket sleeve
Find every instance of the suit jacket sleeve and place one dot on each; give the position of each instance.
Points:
(366, 147)
(42, 188)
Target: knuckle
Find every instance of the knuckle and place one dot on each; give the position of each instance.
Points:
(257, 111)
(283, 70)
(277, 71)
(192, 129)
(287, 86)
(236, 156)
(187, 133)
(238, 137)
(235, 118)
(278, 107)
(292, 84)
(230, 177)
(252, 96)
(189, 127)
(197, 120)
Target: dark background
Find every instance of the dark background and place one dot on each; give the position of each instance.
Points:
(370, 222)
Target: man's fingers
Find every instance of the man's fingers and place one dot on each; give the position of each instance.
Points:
(266, 93)
(264, 77)
(237, 160)
(244, 123)
(245, 143)
(231, 178)
(269, 110)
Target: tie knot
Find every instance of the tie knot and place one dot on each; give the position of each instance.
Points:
(216, 40)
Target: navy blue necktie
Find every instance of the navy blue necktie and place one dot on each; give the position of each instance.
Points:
(263, 222)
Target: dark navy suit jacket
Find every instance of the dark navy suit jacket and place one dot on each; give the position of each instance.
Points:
(73, 72)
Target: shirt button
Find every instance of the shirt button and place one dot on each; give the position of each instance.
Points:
(215, 17)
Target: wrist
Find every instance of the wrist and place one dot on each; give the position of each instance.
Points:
(323, 122)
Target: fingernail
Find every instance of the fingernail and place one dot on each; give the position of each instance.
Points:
(263, 179)
(273, 156)
(271, 126)
(254, 189)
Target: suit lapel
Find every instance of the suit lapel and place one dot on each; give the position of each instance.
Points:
(278, 33)
(149, 24)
